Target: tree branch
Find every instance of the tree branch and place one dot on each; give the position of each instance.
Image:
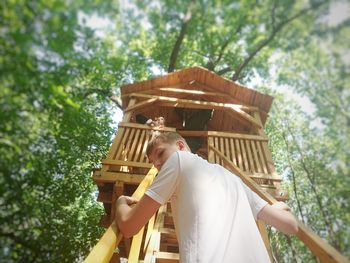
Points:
(275, 30)
(324, 213)
(107, 93)
(180, 38)
(224, 70)
(212, 64)
(293, 176)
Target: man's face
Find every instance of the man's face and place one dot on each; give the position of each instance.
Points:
(162, 151)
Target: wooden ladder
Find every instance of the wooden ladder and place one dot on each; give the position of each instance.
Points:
(159, 241)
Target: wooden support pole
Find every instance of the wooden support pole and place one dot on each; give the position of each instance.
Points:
(103, 250)
(263, 232)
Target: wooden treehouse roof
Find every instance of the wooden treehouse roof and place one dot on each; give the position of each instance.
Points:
(194, 88)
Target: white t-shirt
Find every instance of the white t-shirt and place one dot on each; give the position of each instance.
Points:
(214, 211)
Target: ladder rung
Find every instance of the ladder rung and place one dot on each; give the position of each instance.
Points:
(167, 257)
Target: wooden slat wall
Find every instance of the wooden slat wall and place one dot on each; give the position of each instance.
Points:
(133, 144)
(247, 154)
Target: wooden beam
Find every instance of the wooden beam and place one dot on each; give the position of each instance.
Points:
(140, 104)
(126, 163)
(142, 126)
(262, 228)
(197, 104)
(150, 228)
(154, 243)
(194, 92)
(156, 88)
(320, 248)
(167, 257)
(103, 250)
(135, 248)
(111, 177)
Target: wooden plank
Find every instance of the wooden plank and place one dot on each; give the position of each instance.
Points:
(233, 152)
(211, 157)
(239, 155)
(197, 104)
(261, 157)
(136, 141)
(143, 157)
(127, 94)
(155, 238)
(268, 157)
(265, 238)
(118, 190)
(320, 248)
(142, 126)
(192, 133)
(126, 163)
(141, 104)
(216, 144)
(111, 177)
(139, 146)
(227, 148)
(238, 135)
(249, 156)
(232, 110)
(256, 158)
(135, 248)
(222, 147)
(167, 257)
(244, 156)
(121, 146)
(267, 154)
(128, 142)
(150, 228)
(193, 91)
(271, 177)
(103, 250)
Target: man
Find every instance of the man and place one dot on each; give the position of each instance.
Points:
(214, 211)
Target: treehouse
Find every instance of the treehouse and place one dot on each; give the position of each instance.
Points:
(222, 122)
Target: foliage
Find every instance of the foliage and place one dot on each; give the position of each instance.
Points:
(60, 79)
(52, 131)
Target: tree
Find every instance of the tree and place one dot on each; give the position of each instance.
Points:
(60, 80)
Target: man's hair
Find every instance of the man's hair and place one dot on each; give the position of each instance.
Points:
(166, 137)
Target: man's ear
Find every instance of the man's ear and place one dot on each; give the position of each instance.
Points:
(181, 145)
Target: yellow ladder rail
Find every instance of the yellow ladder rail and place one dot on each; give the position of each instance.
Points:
(103, 250)
(320, 248)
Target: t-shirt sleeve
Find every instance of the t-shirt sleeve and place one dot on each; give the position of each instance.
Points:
(255, 201)
(166, 181)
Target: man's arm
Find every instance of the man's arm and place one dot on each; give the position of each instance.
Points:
(130, 218)
(279, 216)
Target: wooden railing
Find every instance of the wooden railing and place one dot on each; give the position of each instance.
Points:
(104, 249)
(130, 145)
(248, 152)
(320, 248)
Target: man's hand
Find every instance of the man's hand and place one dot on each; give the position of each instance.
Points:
(127, 200)
(132, 215)
(279, 216)
(282, 206)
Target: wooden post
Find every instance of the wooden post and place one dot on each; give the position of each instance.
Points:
(270, 166)
(211, 157)
(265, 237)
